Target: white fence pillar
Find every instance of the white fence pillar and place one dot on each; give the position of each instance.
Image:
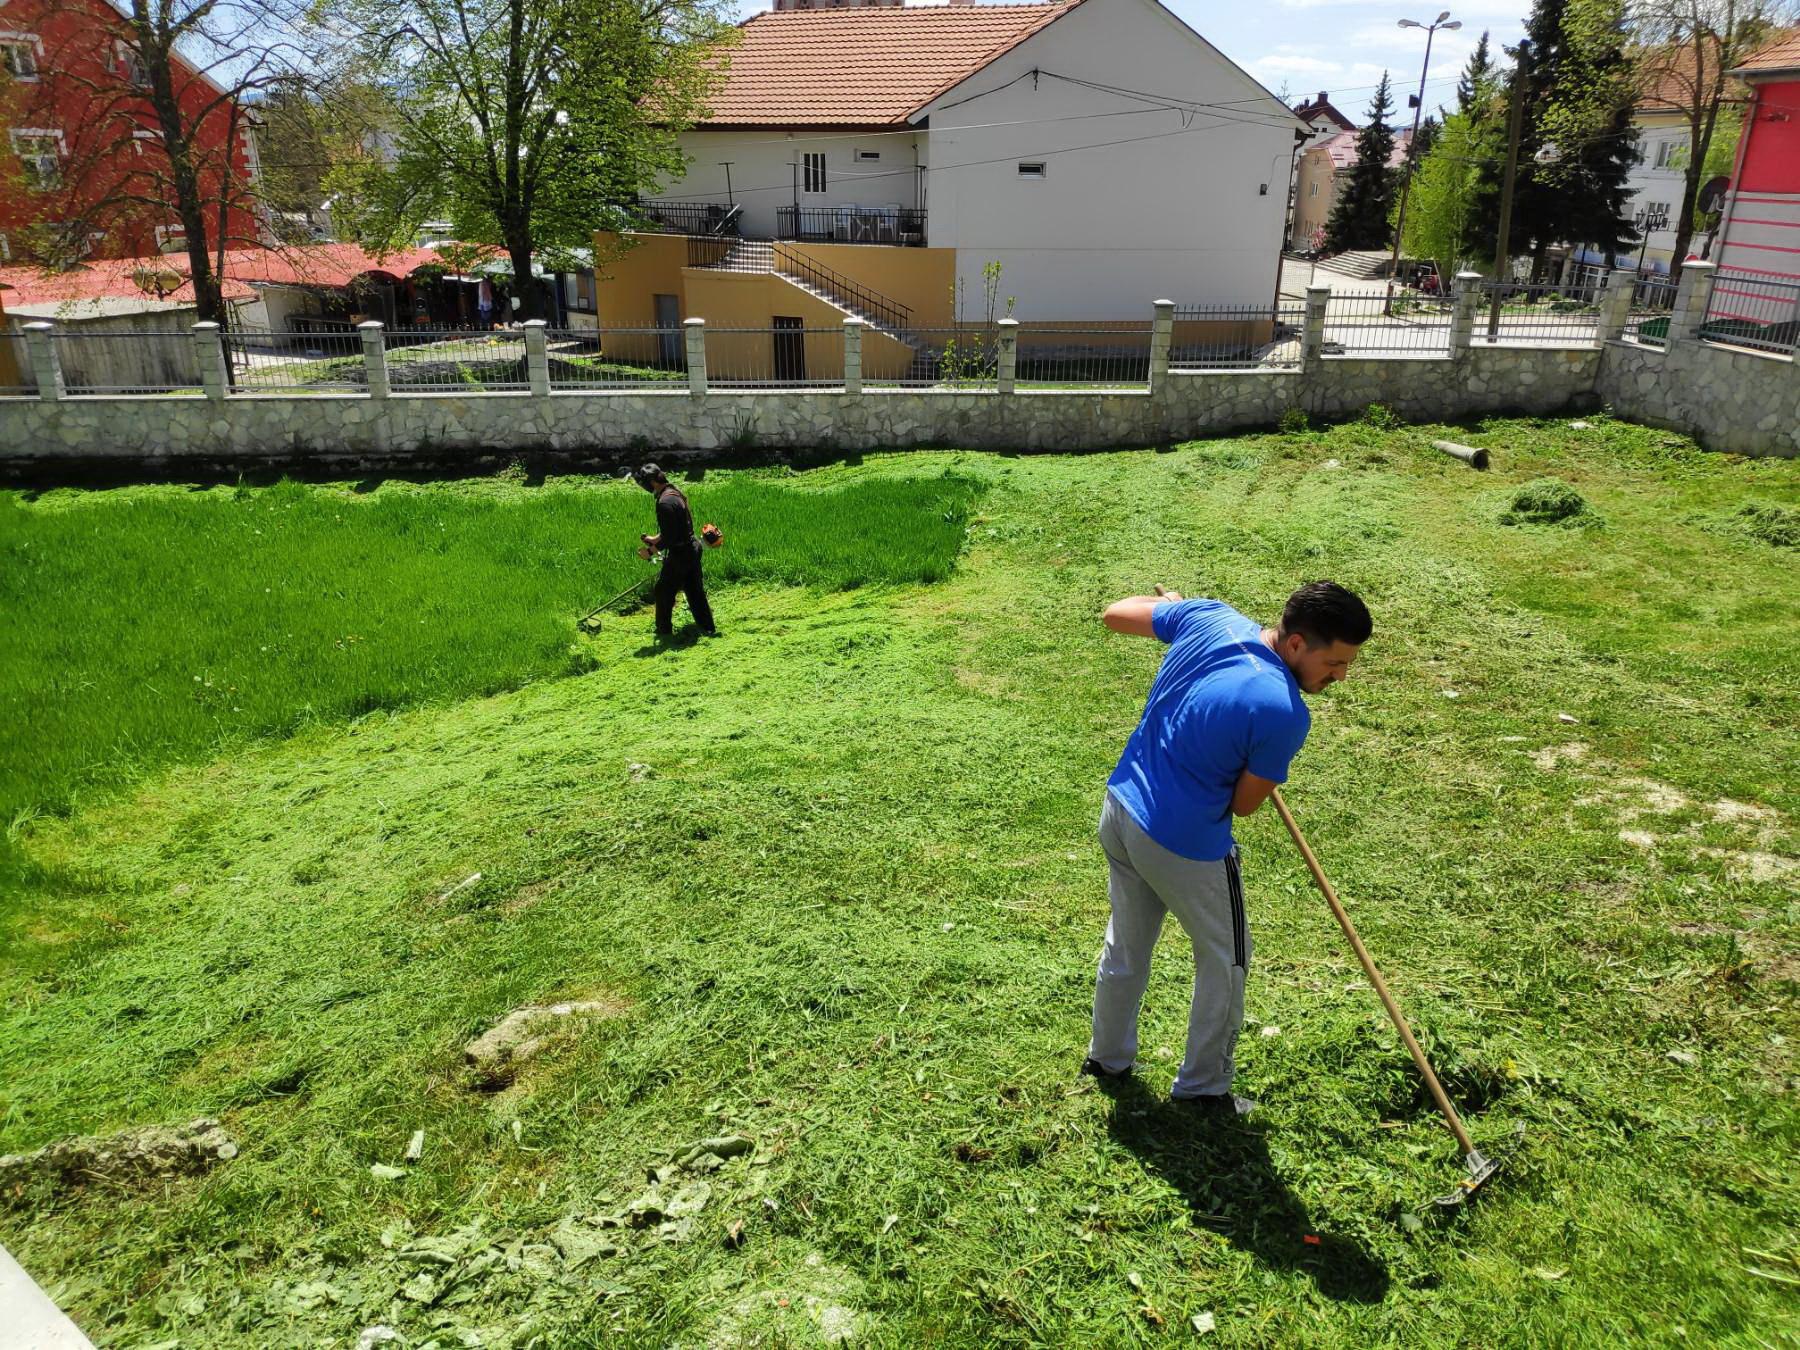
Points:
(1008, 376)
(46, 367)
(537, 356)
(853, 335)
(695, 332)
(1615, 304)
(1692, 296)
(1462, 319)
(1162, 336)
(210, 357)
(1312, 334)
(374, 357)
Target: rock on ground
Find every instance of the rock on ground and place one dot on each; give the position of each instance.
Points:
(151, 1152)
(523, 1032)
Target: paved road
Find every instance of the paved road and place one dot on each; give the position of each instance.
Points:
(28, 1319)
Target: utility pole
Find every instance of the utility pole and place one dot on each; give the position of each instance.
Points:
(1411, 159)
(1515, 121)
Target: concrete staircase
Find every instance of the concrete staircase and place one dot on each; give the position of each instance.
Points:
(1363, 265)
(758, 255)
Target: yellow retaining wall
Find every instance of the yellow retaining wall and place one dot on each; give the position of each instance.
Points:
(919, 278)
(629, 270)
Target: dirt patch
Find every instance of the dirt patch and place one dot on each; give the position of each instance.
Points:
(1658, 797)
(150, 1153)
(523, 1033)
(527, 896)
(1552, 755)
(1756, 866)
(1638, 838)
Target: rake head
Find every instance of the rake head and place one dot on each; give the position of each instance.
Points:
(1481, 1169)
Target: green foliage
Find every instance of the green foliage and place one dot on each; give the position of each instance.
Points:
(1359, 218)
(1440, 219)
(1777, 525)
(252, 612)
(1381, 417)
(526, 125)
(1294, 422)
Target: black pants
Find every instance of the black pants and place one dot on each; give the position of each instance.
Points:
(681, 573)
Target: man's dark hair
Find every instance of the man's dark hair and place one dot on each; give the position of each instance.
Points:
(1323, 612)
(647, 474)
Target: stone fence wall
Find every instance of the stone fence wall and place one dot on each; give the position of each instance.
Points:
(1731, 400)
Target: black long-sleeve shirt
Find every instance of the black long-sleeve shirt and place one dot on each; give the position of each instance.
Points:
(674, 521)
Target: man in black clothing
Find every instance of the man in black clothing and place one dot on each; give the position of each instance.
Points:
(681, 553)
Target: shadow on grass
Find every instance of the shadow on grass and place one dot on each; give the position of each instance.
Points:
(1223, 1170)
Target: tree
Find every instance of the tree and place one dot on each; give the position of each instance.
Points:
(1475, 86)
(1440, 217)
(159, 128)
(1685, 49)
(520, 121)
(1576, 146)
(1359, 218)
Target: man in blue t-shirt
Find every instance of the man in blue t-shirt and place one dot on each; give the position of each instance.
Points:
(1223, 721)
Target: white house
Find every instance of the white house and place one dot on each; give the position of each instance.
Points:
(1100, 151)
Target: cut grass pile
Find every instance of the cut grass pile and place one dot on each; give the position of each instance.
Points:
(834, 881)
(160, 623)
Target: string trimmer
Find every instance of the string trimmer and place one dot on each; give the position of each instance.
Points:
(1478, 1167)
(710, 535)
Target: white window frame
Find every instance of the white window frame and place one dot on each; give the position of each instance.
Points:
(868, 156)
(34, 44)
(5, 243)
(1034, 168)
(141, 135)
(164, 233)
(45, 133)
(812, 171)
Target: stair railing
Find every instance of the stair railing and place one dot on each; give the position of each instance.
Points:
(886, 313)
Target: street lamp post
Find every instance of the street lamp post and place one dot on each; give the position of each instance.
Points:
(1431, 32)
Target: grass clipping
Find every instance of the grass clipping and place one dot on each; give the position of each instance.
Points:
(1549, 501)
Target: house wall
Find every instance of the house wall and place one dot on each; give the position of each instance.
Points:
(630, 272)
(1138, 202)
(110, 175)
(1646, 183)
(765, 172)
(1761, 233)
(1315, 192)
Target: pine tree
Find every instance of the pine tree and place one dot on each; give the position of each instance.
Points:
(1359, 219)
(1476, 84)
(1575, 146)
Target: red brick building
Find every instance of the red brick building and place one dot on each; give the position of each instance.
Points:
(83, 168)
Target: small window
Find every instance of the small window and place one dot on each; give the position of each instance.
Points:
(141, 138)
(1312, 189)
(131, 65)
(171, 239)
(19, 57)
(868, 156)
(1031, 168)
(40, 153)
(813, 172)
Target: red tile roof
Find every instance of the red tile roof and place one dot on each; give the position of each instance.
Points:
(869, 66)
(1668, 78)
(1342, 148)
(312, 265)
(1782, 54)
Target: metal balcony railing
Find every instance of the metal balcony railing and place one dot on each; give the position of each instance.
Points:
(851, 225)
(711, 218)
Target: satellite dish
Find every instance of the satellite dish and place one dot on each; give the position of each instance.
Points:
(1712, 195)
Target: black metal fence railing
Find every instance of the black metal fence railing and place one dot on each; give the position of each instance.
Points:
(1115, 355)
(319, 361)
(963, 357)
(873, 305)
(689, 217)
(1237, 337)
(740, 358)
(1652, 306)
(15, 365)
(1407, 324)
(901, 225)
(1750, 309)
(649, 359)
(705, 251)
(1516, 314)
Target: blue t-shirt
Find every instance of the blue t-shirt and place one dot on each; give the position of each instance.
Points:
(1223, 702)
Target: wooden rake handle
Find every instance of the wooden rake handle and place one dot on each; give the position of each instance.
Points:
(1451, 1119)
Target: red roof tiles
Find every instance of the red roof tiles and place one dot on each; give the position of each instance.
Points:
(312, 265)
(862, 66)
(1783, 54)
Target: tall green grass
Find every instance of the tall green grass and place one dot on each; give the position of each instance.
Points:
(150, 625)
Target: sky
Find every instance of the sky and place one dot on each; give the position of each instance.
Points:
(1341, 46)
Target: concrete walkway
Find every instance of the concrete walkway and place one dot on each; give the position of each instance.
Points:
(28, 1319)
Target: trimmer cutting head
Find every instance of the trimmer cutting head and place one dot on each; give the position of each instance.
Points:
(1480, 1169)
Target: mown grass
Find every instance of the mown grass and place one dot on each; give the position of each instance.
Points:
(851, 908)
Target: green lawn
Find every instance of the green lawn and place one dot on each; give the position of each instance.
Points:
(836, 876)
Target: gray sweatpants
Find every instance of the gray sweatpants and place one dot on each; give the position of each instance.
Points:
(1207, 899)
